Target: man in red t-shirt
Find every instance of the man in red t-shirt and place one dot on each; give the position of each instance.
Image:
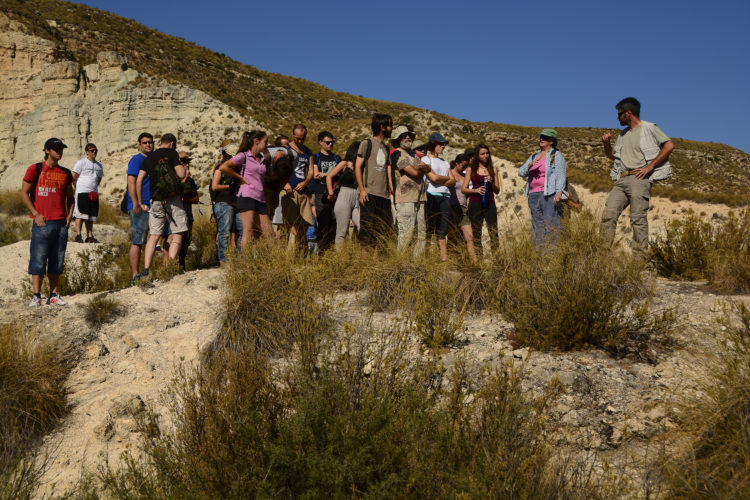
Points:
(52, 209)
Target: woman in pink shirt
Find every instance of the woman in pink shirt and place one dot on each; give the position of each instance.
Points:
(249, 166)
(546, 173)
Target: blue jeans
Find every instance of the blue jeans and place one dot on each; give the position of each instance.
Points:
(224, 213)
(227, 222)
(545, 218)
(138, 227)
(47, 249)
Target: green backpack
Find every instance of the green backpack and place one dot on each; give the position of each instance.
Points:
(165, 184)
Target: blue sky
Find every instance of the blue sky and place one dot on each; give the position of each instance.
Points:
(541, 63)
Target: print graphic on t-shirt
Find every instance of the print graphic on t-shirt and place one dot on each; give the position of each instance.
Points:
(380, 160)
(49, 182)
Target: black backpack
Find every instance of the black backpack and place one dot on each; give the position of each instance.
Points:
(165, 184)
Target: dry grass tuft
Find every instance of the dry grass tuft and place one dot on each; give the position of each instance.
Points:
(32, 400)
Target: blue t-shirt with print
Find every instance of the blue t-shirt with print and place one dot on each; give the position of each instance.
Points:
(300, 167)
(325, 164)
(134, 166)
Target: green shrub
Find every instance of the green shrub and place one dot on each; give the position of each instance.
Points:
(684, 249)
(101, 309)
(32, 400)
(431, 307)
(11, 204)
(729, 270)
(202, 251)
(577, 294)
(695, 249)
(13, 230)
(268, 301)
(716, 461)
(369, 420)
(100, 269)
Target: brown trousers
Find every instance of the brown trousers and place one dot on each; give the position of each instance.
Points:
(636, 193)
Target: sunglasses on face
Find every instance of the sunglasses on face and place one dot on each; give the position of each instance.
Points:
(327, 142)
(147, 142)
(545, 138)
(185, 162)
(92, 151)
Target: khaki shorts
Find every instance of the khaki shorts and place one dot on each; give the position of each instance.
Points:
(168, 211)
(296, 207)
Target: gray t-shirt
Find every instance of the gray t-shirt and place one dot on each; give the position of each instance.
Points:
(374, 171)
(631, 155)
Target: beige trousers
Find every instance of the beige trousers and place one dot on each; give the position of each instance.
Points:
(636, 193)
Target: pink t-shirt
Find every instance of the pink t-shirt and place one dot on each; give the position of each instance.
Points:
(253, 171)
(536, 174)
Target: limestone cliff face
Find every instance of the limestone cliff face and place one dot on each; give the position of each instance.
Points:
(105, 102)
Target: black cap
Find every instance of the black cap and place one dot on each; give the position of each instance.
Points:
(54, 143)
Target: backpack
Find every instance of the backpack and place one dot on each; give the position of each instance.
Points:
(165, 184)
(124, 202)
(39, 166)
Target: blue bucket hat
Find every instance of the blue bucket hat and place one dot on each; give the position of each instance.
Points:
(437, 137)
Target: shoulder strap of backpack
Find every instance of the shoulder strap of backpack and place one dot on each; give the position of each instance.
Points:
(32, 193)
(368, 152)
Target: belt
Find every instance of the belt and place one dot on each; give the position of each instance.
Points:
(627, 173)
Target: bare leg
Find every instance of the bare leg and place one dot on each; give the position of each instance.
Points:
(135, 259)
(443, 245)
(36, 282)
(247, 217)
(175, 245)
(469, 237)
(89, 228)
(153, 239)
(53, 279)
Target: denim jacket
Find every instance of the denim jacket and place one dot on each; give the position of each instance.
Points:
(555, 176)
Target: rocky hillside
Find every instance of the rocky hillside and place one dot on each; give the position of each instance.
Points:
(59, 74)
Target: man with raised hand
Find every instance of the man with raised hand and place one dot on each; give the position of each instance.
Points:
(371, 170)
(138, 217)
(47, 191)
(641, 157)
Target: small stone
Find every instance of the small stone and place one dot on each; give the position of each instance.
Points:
(130, 343)
(609, 409)
(521, 353)
(106, 430)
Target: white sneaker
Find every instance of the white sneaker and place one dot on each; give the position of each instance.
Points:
(56, 300)
(35, 301)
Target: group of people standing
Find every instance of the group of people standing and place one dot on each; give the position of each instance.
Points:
(284, 190)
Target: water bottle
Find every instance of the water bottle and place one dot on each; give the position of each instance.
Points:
(486, 196)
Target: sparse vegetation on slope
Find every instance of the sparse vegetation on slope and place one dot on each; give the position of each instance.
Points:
(717, 251)
(703, 171)
(716, 461)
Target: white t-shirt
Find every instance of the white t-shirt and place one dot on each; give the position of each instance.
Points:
(88, 173)
(440, 167)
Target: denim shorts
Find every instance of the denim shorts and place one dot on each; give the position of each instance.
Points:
(47, 249)
(138, 227)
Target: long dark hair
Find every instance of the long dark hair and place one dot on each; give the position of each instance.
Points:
(474, 163)
(248, 138)
(351, 152)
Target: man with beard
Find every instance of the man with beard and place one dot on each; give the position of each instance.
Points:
(641, 157)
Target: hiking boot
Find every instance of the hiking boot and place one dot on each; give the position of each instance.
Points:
(56, 300)
(135, 279)
(35, 301)
(78, 239)
(91, 239)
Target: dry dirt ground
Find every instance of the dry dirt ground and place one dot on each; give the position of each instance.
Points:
(615, 407)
